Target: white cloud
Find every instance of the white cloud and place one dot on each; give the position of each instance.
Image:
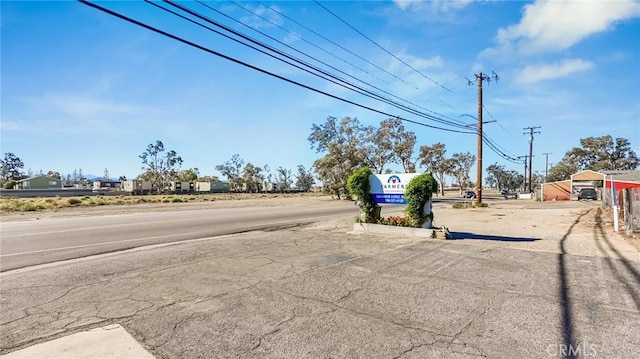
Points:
(73, 114)
(417, 63)
(262, 17)
(434, 5)
(549, 25)
(537, 73)
(79, 105)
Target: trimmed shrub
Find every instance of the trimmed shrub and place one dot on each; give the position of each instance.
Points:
(419, 191)
(359, 187)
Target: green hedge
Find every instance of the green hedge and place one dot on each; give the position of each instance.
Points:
(418, 193)
(359, 188)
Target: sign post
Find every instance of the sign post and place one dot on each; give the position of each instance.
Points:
(614, 204)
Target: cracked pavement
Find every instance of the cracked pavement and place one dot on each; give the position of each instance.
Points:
(321, 292)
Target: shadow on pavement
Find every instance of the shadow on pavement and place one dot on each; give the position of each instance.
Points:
(568, 341)
(486, 237)
(599, 235)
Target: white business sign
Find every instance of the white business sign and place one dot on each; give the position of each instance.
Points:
(390, 188)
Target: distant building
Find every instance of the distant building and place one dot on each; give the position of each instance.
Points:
(106, 185)
(569, 189)
(40, 182)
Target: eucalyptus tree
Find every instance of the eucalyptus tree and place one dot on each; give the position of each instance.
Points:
(304, 179)
(160, 165)
(461, 164)
(596, 154)
(232, 170)
(11, 167)
(252, 178)
(344, 146)
(435, 160)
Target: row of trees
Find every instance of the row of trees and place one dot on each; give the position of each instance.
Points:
(251, 178)
(457, 166)
(348, 145)
(161, 166)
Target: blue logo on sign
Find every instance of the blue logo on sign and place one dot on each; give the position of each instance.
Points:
(393, 179)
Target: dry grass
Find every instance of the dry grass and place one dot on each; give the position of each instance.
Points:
(8, 205)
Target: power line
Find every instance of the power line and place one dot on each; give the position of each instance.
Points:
(323, 37)
(229, 58)
(500, 151)
(379, 46)
(305, 40)
(491, 144)
(323, 74)
(313, 58)
(498, 122)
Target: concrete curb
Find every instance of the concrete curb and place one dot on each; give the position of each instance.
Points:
(394, 230)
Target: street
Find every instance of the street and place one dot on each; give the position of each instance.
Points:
(26, 243)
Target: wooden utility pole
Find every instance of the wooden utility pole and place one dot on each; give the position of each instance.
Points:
(524, 184)
(546, 165)
(480, 78)
(531, 132)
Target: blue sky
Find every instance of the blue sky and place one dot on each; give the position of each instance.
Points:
(84, 89)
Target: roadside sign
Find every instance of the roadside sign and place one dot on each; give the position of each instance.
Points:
(389, 188)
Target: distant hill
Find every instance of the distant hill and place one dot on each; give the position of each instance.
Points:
(92, 178)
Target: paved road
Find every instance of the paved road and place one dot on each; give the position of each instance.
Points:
(26, 243)
(319, 291)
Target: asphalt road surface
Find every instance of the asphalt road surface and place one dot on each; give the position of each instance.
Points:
(27, 243)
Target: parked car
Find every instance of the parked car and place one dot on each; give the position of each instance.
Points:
(504, 192)
(470, 194)
(587, 193)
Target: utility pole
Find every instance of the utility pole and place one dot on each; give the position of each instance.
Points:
(546, 165)
(531, 132)
(480, 78)
(524, 185)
